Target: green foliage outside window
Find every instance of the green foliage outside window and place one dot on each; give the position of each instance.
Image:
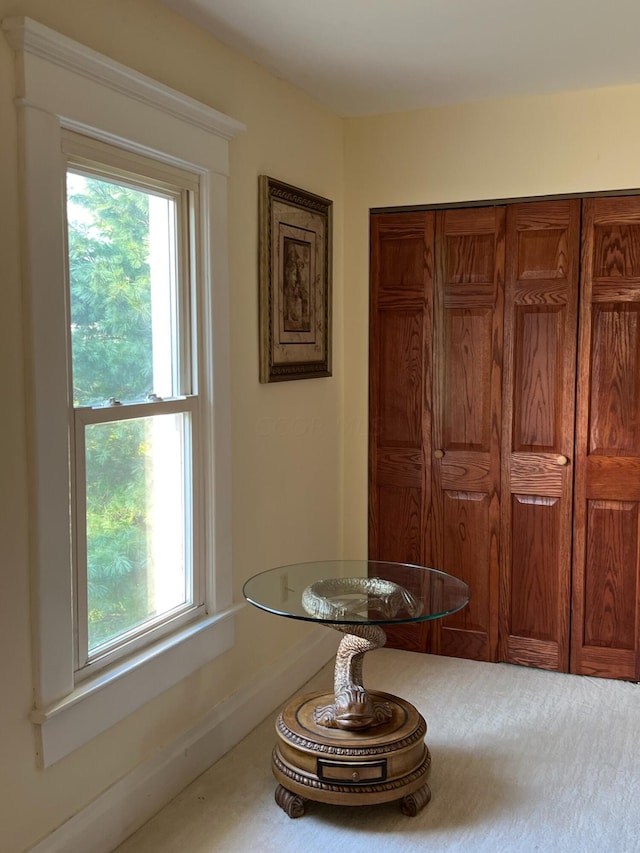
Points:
(112, 357)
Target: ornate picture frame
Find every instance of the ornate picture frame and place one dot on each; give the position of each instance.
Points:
(295, 257)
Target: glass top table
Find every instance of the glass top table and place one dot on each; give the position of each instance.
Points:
(350, 746)
(346, 592)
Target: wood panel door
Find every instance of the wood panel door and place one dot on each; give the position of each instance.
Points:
(465, 459)
(400, 380)
(606, 600)
(540, 329)
(471, 459)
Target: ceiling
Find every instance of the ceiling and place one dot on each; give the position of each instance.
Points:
(362, 57)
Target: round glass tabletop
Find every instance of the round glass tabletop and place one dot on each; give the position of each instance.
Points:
(347, 592)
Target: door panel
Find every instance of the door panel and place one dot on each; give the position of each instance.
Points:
(541, 298)
(534, 579)
(605, 630)
(609, 589)
(401, 509)
(468, 300)
(399, 396)
(614, 410)
(466, 520)
(466, 424)
(400, 338)
(537, 399)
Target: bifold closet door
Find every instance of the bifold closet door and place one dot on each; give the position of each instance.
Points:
(401, 294)
(606, 601)
(471, 461)
(466, 401)
(435, 411)
(540, 328)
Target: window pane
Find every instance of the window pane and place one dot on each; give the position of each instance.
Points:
(136, 512)
(122, 270)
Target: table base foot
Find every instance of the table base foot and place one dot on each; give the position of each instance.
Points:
(292, 804)
(413, 803)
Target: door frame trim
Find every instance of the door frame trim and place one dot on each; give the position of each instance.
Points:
(411, 208)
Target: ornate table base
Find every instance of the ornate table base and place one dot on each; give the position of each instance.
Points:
(330, 765)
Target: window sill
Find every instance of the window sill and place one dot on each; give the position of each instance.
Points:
(100, 702)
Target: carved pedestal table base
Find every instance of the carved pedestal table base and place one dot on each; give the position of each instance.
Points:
(387, 762)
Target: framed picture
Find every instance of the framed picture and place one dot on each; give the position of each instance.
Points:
(295, 282)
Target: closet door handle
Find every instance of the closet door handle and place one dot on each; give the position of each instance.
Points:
(562, 460)
(438, 454)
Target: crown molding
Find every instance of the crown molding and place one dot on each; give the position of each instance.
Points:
(34, 39)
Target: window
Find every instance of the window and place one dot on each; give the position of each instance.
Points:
(124, 190)
(133, 302)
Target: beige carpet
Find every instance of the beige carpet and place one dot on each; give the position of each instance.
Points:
(523, 760)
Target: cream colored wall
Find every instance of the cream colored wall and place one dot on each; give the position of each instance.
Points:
(286, 437)
(289, 499)
(566, 143)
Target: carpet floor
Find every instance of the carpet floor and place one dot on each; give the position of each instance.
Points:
(522, 760)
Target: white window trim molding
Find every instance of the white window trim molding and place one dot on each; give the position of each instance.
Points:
(64, 85)
(118, 812)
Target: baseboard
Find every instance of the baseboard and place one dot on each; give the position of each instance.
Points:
(124, 807)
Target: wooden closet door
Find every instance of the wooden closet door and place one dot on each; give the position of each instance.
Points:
(606, 600)
(468, 309)
(540, 329)
(400, 359)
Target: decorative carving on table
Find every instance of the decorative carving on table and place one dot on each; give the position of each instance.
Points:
(417, 736)
(412, 803)
(361, 598)
(292, 804)
(374, 788)
(364, 767)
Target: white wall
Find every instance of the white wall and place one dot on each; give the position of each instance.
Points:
(286, 437)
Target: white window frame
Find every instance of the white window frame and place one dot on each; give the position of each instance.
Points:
(62, 85)
(95, 159)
